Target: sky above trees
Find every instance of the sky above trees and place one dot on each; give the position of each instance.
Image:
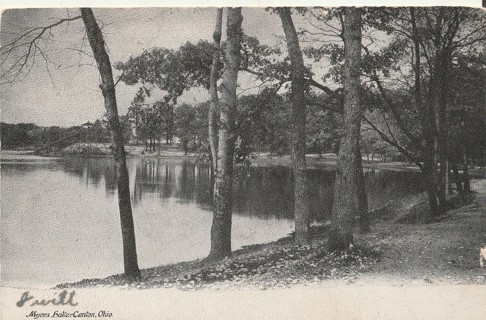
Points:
(68, 93)
(65, 92)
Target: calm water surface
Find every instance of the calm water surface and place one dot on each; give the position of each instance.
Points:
(60, 217)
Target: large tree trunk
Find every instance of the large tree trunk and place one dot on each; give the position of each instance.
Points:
(428, 123)
(213, 90)
(301, 207)
(347, 204)
(223, 182)
(442, 127)
(107, 86)
(437, 101)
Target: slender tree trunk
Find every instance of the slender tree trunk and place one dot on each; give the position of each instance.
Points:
(441, 122)
(428, 122)
(437, 98)
(107, 86)
(184, 144)
(465, 171)
(213, 90)
(435, 141)
(416, 62)
(457, 180)
(136, 131)
(346, 205)
(301, 207)
(448, 178)
(364, 219)
(223, 182)
(430, 176)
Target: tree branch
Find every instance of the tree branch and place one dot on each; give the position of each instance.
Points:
(395, 144)
(327, 90)
(119, 78)
(31, 44)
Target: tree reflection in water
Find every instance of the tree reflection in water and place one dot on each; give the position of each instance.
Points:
(259, 191)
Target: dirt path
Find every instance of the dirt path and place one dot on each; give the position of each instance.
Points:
(446, 252)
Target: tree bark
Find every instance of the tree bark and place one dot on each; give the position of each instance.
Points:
(434, 145)
(347, 204)
(223, 182)
(364, 219)
(301, 207)
(213, 90)
(107, 86)
(428, 123)
(442, 127)
(437, 101)
(430, 173)
(465, 171)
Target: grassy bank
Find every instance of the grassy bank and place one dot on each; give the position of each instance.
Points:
(397, 251)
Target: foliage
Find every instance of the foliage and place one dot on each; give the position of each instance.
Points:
(262, 123)
(323, 130)
(176, 71)
(31, 136)
(17, 135)
(169, 70)
(185, 119)
(151, 121)
(467, 116)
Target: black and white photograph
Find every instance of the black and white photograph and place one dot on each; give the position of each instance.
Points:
(243, 162)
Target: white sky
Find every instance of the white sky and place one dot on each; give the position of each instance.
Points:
(72, 96)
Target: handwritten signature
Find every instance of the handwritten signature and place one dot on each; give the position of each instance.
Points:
(63, 298)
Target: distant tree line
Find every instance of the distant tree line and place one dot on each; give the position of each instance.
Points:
(54, 138)
(262, 122)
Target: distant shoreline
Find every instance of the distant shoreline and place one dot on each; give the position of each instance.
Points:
(314, 161)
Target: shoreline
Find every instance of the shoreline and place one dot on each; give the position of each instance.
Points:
(314, 161)
(442, 252)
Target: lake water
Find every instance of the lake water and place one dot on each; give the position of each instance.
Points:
(60, 217)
